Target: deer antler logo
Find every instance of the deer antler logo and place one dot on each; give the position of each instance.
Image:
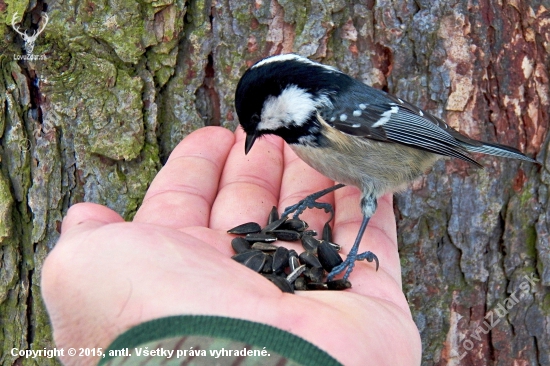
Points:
(29, 39)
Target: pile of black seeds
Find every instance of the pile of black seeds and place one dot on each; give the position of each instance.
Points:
(287, 269)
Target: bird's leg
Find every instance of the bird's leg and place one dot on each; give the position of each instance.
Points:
(310, 202)
(368, 205)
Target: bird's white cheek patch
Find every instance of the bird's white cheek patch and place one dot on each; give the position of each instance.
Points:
(292, 106)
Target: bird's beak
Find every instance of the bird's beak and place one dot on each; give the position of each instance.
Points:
(250, 138)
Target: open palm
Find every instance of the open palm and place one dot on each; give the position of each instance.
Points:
(106, 275)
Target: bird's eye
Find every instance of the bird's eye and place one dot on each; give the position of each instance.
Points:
(255, 119)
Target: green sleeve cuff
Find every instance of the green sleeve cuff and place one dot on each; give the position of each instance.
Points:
(208, 340)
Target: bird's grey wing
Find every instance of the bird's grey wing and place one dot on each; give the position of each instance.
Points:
(465, 142)
(396, 122)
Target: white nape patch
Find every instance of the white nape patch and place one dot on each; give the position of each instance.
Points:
(292, 57)
(292, 106)
(324, 101)
(356, 113)
(421, 113)
(386, 117)
(343, 117)
(363, 106)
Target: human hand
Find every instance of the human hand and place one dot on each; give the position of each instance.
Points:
(106, 275)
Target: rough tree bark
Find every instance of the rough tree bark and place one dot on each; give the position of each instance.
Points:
(123, 82)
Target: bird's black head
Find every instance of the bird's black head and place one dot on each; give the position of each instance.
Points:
(281, 95)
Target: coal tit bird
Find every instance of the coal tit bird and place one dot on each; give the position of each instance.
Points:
(348, 131)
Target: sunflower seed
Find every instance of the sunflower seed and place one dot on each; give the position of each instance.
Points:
(295, 224)
(317, 286)
(293, 262)
(327, 232)
(300, 284)
(340, 284)
(315, 274)
(286, 235)
(296, 273)
(240, 245)
(281, 283)
(274, 225)
(253, 259)
(280, 259)
(268, 265)
(260, 237)
(273, 215)
(292, 253)
(247, 228)
(264, 247)
(309, 232)
(310, 243)
(328, 256)
(309, 259)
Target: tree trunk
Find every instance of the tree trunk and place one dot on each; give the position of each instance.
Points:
(119, 84)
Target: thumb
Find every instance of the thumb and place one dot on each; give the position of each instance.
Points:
(87, 211)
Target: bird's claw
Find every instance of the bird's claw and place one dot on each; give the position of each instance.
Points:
(349, 263)
(307, 202)
(369, 256)
(311, 202)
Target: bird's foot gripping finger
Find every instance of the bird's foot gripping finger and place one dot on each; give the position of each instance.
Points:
(349, 263)
(308, 202)
(311, 202)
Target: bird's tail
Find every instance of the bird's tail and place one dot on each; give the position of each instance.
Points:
(497, 150)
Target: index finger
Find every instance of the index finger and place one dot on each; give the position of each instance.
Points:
(250, 184)
(182, 193)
